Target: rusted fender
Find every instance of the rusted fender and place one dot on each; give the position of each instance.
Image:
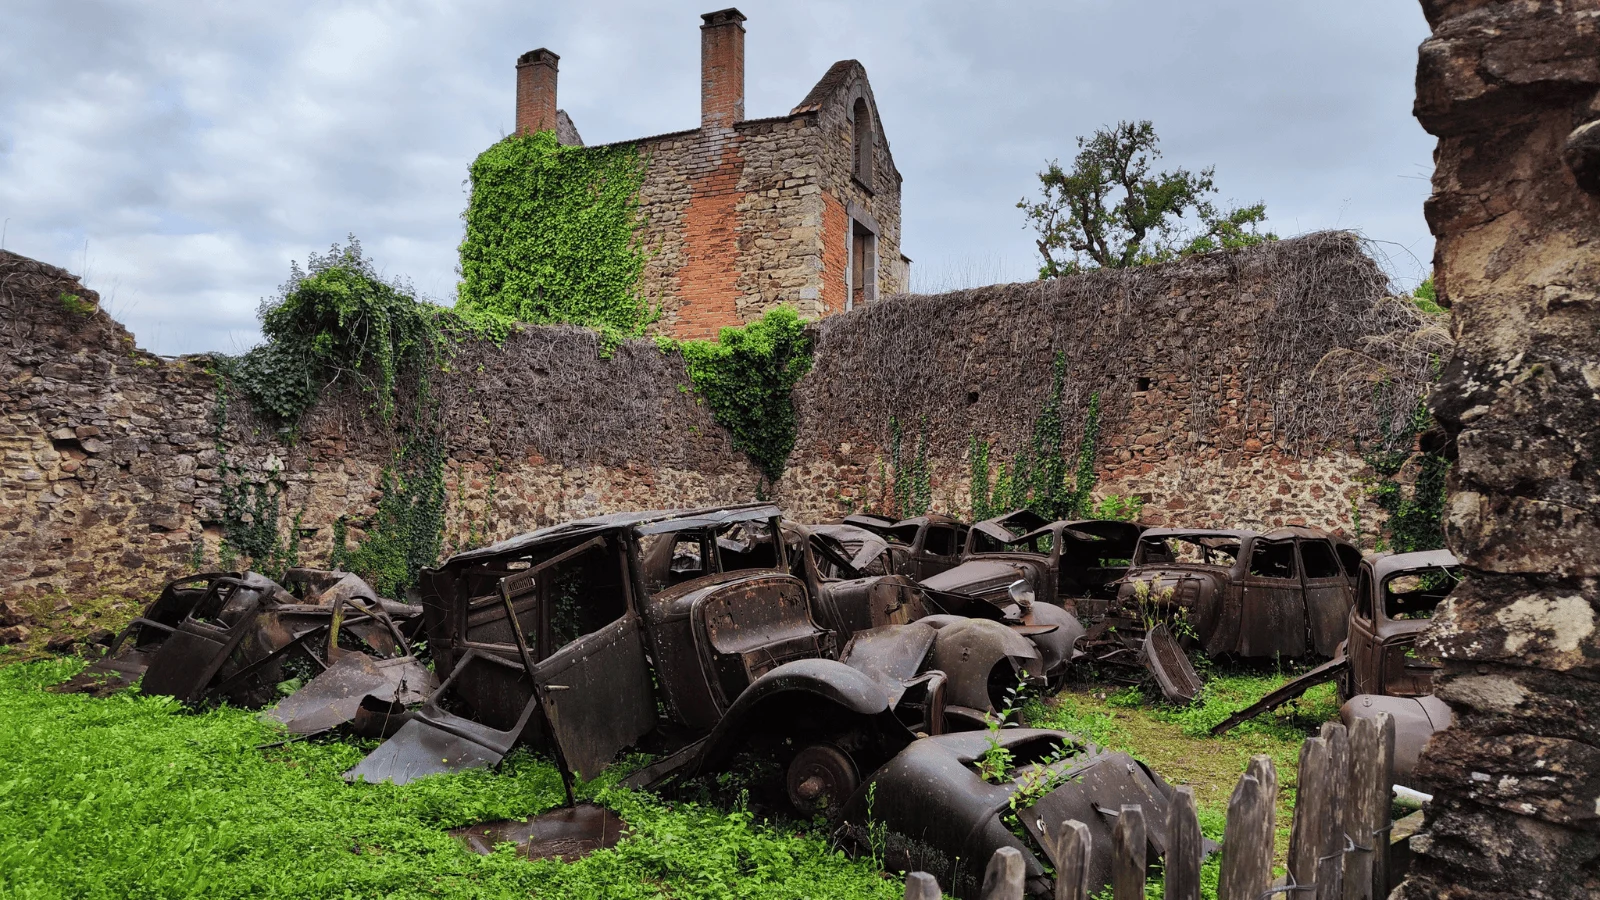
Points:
(852, 693)
(948, 819)
(1322, 674)
(981, 658)
(1416, 719)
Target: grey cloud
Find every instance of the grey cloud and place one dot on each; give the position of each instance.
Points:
(185, 153)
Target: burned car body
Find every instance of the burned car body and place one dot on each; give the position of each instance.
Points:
(1060, 561)
(919, 547)
(234, 638)
(937, 813)
(690, 633)
(1396, 597)
(1284, 593)
(1377, 668)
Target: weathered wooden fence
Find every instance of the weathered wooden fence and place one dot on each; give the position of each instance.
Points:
(1338, 842)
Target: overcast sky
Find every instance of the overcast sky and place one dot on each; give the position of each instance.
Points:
(180, 154)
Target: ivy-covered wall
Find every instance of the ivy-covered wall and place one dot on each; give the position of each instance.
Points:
(551, 235)
(115, 475)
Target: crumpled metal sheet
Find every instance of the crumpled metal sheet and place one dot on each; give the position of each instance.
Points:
(334, 698)
(564, 834)
(892, 656)
(128, 657)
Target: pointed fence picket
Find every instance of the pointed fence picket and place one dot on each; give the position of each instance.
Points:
(1338, 843)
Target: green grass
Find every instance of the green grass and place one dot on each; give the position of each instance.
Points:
(133, 796)
(1176, 742)
(136, 797)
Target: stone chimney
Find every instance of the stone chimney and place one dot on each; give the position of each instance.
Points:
(536, 91)
(721, 69)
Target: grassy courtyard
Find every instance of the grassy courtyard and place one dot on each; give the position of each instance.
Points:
(132, 796)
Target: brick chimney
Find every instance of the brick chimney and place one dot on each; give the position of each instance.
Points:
(721, 69)
(536, 91)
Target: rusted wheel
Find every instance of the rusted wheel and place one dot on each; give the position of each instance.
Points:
(821, 778)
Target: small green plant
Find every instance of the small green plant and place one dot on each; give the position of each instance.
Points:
(76, 305)
(1118, 507)
(1426, 298)
(1415, 516)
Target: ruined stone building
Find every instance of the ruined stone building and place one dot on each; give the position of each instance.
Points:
(739, 215)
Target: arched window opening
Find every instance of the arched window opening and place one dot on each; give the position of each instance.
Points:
(861, 141)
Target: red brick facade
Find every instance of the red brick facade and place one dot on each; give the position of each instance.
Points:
(835, 253)
(708, 281)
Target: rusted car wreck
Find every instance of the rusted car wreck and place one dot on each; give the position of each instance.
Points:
(230, 637)
(700, 635)
(1377, 667)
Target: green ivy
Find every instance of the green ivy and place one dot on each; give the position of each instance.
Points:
(253, 530)
(1036, 478)
(747, 377)
(339, 320)
(907, 480)
(1416, 516)
(407, 530)
(551, 236)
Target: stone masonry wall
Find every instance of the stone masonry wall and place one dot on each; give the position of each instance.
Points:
(1203, 367)
(1512, 91)
(734, 222)
(109, 461)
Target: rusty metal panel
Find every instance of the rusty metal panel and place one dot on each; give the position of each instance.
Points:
(597, 696)
(753, 625)
(335, 697)
(455, 730)
(197, 649)
(891, 656)
(1167, 661)
(563, 834)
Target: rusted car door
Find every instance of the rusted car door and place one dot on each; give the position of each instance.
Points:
(1363, 648)
(1272, 613)
(596, 695)
(595, 690)
(938, 550)
(1327, 595)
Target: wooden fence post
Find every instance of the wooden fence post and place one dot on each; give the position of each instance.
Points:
(922, 886)
(1128, 841)
(1072, 861)
(1247, 844)
(1004, 878)
(1367, 819)
(1330, 867)
(1310, 811)
(1183, 847)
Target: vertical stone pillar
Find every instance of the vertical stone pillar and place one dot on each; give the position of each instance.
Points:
(1509, 88)
(536, 91)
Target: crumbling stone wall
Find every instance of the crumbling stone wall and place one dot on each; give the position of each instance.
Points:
(1510, 90)
(110, 475)
(1235, 389)
(110, 470)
